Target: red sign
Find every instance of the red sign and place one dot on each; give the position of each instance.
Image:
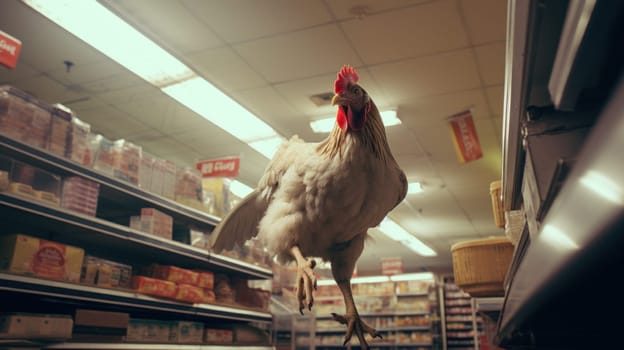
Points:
(9, 50)
(223, 167)
(465, 137)
(391, 266)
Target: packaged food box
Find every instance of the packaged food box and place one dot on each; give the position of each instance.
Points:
(35, 182)
(146, 169)
(156, 223)
(148, 331)
(23, 117)
(185, 332)
(218, 336)
(188, 184)
(173, 274)
(80, 194)
(158, 176)
(205, 279)
(28, 255)
(154, 286)
(103, 153)
(126, 161)
(105, 273)
(78, 141)
(95, 325)
(37, 326)
(60, 128)
(209, 296)
(169, 179)
(190, 293)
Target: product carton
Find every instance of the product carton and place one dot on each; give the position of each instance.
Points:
(27, 255)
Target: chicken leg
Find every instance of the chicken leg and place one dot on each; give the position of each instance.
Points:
(342, 265)
(306, 281)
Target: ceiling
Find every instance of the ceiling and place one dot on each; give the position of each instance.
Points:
(431, 59)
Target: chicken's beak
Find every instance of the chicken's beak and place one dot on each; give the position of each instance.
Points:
(337, 100)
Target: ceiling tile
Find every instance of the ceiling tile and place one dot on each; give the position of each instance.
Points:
(225, 69)
(415, 31)
(495, 100)
(169, 23)
(241, 20)
(486, 20)
(22, 71)
(346, 9)
(425, 76)
(111, 122)
(491, 62)
(309, 53)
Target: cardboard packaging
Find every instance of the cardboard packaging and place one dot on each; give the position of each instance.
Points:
(27, 255)
(94, 325)
(38, 326)
(185, 332)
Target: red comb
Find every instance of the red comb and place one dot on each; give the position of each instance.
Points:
(346, 76)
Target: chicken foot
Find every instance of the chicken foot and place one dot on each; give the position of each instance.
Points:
(352, 318)
(306, 281)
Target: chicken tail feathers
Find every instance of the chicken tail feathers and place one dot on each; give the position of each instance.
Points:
(240, 224)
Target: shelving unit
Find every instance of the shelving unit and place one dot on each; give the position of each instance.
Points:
(107, 235)
(566, 65)
(401, 317)
(460, 325)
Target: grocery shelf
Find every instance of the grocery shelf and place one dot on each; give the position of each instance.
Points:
(130, 346)
(415, 294)
(70, 228)
(380, 329)
(26, 285)
(109, 186)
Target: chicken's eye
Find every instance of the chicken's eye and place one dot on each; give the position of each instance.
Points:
(356, 90)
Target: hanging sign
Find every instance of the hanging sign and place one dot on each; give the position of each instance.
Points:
(9, 50)
(222, 167)
(391, 266)
(465, 137)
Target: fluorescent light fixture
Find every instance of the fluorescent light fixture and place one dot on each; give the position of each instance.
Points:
(105, 31)
(414, 187)
(417, 276)
(267, 147)
(370, 279)
(603, 186)
(240, 189)
(211, 103)
(102, 29)
(325, 283)
(325, 125)
(398, 233)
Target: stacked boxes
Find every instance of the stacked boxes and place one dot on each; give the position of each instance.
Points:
(39, 326)
(80, 195)
(190, 286)
(105, 273)
(126, 161)
(33, 182)
(60, 127)
(27, 255)
(78, 141)
(188, 187)
(23, 117)
(154, 222)
(146, 171)
(102, 153)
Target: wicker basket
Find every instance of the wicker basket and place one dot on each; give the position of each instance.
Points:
(480, 266)
(497, 203)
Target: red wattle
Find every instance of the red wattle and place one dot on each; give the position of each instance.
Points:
(341, 119)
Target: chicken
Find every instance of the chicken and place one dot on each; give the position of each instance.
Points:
(319, 199)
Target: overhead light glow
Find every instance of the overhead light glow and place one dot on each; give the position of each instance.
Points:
(557, 238)
(398, 233)
(105, 31)
(239, 189)
(417, 276)
(414, 187)
(268, 147)
(102, 29)
(325, 125)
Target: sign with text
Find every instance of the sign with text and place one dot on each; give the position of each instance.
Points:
(391, 266)
(222, 167)
(465, 137)
(9, 50)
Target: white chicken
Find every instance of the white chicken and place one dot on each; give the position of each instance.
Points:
(319, 199)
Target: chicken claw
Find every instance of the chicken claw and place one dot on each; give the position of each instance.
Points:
(355, 324)
(306, 284)
(306, 281)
